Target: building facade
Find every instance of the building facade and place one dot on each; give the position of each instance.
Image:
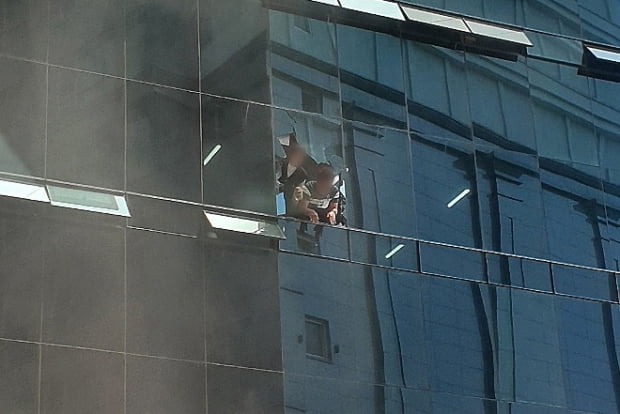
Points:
(146, 265)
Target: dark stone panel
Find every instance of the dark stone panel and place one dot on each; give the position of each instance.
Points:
(88, 35)
(83, 286)
(78, 381)
(164, 296)
(162, 42)
(239, 390)
(21, 255)
(24, 31)
(309, 394)
(22, 117)
(159, 386)
(163, 142)
(19, 369)
(86, 129)
(233, 49)
(243, 320)
(164, 215)
(241, 174)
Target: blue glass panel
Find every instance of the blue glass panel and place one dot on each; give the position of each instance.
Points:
(437, 91)
(453, 262)
(383, 251)
(574, 212)
(445, 191)
(371, 75)
(379, 182)
(588, 334)
(500, 103)
(600, 20)
(511, 210)
(584, 283)
(304, 64)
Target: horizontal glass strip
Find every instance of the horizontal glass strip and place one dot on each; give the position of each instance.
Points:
(244, 225)
(497, 32)
(604, 54)
(330, 2)
(24, 191)
(88, 201)
(435, 19)
(377, 7)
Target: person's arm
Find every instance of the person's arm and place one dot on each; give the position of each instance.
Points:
(312, 215)
(278, 168)
(332, 212)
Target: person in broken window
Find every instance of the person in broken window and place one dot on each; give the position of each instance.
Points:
(318, 199)
(291, 173)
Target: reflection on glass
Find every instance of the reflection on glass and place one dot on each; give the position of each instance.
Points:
(587, 333)
(449, 261)
(500, 103)
(212, 154)
(461, 338)
(88, 200)
(600, 20)
(380, 179)
(304, 64)
(244, 225)
(442, 174)
(437, 91)
(555, 48)
(240, 175)
(371, 77)
(395, 250)
(377, 7)
(562, 107)
(23, 190)
(575, 213)
(583, 283)
(459, 197)
(551, 16)
(512, 215)
(516, 271)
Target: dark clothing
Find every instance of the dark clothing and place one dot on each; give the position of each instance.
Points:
(287, 183)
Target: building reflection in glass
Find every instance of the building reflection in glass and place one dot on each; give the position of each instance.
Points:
(427, 338)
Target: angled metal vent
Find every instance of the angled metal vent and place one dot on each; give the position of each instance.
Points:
(435, 19)
(602, 62)
(245, 225)
(380, 8)
(447, 30)
(496, 32)
(377, 15)
(25, 191)
(330, 2)
(60, 196)
(415, 23)
(88, 200)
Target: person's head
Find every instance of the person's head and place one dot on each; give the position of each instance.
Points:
(325, 176)
(296, 155)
